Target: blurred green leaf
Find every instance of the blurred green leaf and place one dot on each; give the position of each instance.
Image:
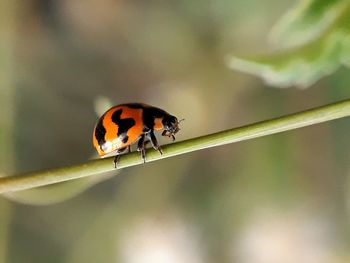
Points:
(307, 21)
(56, 193)
(303, 65)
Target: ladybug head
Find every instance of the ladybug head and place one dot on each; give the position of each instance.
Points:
(171, 126)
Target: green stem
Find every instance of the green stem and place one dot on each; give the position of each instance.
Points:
(306, 118)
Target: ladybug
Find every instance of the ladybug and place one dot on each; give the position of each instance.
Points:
(122, 125)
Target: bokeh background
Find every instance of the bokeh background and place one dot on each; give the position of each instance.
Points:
(282, 198)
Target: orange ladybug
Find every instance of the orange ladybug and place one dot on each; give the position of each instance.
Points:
(124, 124)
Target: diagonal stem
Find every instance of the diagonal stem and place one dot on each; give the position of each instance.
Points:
(293, 121)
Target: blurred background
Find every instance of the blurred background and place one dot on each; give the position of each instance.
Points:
(281, 198)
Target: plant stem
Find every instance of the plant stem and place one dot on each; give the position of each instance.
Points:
(306, 118)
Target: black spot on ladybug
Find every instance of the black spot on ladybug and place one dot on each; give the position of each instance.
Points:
(149, 115)
(123, 125)
(134, 105)
(100, 133)
(123, 137)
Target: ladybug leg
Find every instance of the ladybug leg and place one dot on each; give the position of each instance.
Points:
(154, 142)
(117, 157)
(141, 147)
(129, 149)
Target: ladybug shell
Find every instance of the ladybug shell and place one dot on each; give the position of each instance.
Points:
(121, 126)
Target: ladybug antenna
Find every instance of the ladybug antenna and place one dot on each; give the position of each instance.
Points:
(180, 121)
